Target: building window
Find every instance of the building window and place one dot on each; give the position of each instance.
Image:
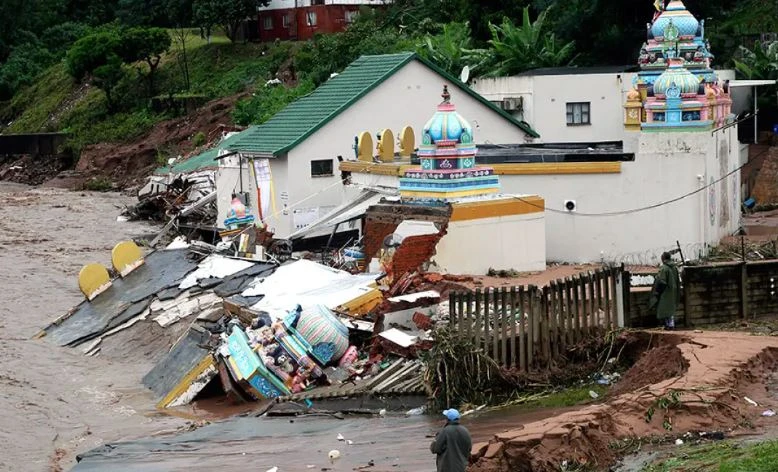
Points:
(578, 114)
(267, 22)
(285, 20)
(317, 2)
(351, 15)
(322, 168)
(310, 18)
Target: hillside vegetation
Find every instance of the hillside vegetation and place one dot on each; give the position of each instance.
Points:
(109, 70)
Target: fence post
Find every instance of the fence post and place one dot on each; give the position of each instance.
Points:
(452, 308)
(553, 320)
(563, 315)
(545, 338)
(487, 321)
(469, 312)
(513, 325)
(598, 301)
(576, 307)
(531, 325)
(505, 321)
(522, 324)
(610, 321)
(477, 325)
(585, 304)
(460, 309)
(496, 327)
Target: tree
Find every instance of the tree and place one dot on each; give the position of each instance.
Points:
(516, 49)
(452, 49)
(96, 55)
(146, 45)
(142, 13)
(180, 12)
(206, 15)
(229, 13)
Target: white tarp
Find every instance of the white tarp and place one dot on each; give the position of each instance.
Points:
(307, 283)
(214, 266)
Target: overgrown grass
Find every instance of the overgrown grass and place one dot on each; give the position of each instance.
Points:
(570, 396)
(31, 108)
(721, 457)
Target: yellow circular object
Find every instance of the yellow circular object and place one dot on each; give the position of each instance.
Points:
(93, 280)
(125, 257)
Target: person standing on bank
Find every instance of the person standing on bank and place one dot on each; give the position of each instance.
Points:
(452, 444)
(666, 293)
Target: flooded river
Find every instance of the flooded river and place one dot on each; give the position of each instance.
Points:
(57, 403)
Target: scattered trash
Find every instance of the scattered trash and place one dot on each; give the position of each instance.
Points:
(334, 455)
(753, 403)
(594, 394)
(768, 413)
(349, 442)
(274, 469)
(382, 412)
(416, 411)
(340, 437)
(698, 331)
(679, 442)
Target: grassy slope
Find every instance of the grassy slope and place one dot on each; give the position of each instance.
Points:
(721, 457)
(217, 69)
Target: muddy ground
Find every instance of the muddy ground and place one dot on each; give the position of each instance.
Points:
(55, 402)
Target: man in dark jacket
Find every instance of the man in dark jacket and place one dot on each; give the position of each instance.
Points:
(666, 293)
(452, 444)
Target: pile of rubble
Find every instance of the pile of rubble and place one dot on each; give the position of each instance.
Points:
(257, 328)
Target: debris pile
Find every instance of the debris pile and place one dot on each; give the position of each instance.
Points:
(256, 328)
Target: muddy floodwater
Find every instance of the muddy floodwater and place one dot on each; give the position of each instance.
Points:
(57, 403)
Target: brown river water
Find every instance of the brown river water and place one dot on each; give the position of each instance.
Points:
(56, 403)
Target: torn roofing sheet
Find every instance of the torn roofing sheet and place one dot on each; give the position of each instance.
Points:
(308, 284)
(170, 373)
(126, 298)
(214, 266)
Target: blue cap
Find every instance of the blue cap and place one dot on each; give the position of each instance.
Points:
(452, 414)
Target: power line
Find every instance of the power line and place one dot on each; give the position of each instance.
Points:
(637, 210)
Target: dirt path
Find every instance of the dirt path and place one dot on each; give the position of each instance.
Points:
(55, 402)
(719, 370)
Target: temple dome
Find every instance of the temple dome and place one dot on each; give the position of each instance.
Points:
(686, 82)
(447, 127)
(680, 17)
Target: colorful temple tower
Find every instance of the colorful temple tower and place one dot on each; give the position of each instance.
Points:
(450, 214)
(447, 155)
(676, 89)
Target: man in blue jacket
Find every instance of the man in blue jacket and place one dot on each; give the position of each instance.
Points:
(452, 444)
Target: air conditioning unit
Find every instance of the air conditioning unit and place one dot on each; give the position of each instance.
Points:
(513, 104)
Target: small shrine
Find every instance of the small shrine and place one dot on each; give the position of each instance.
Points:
(447, 156)
(676, 89)
(450, 214)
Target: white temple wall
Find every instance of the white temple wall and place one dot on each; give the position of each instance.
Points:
(515, 242)
(666, 166)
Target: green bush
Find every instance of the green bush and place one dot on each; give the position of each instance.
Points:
(198, 139)
(98, 184)
(267, 101)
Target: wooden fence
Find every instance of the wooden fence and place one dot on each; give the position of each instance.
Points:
(529, 327)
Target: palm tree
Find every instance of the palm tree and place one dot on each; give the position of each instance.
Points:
(452, 49)
(516, 49)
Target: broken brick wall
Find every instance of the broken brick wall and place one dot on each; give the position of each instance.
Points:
(381, 221)
(765, 182)
(413, 252)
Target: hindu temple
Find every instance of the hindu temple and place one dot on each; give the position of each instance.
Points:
(676, 89)
(450, 212)
(447, 155)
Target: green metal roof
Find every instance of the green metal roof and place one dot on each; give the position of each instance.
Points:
(292, 125)
(203, 160)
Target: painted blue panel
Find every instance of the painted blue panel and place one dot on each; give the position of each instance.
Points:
(245, 359)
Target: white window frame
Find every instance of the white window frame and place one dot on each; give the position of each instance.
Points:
(267, 22)
(285, 20)
(351, 15)
(310, 18)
